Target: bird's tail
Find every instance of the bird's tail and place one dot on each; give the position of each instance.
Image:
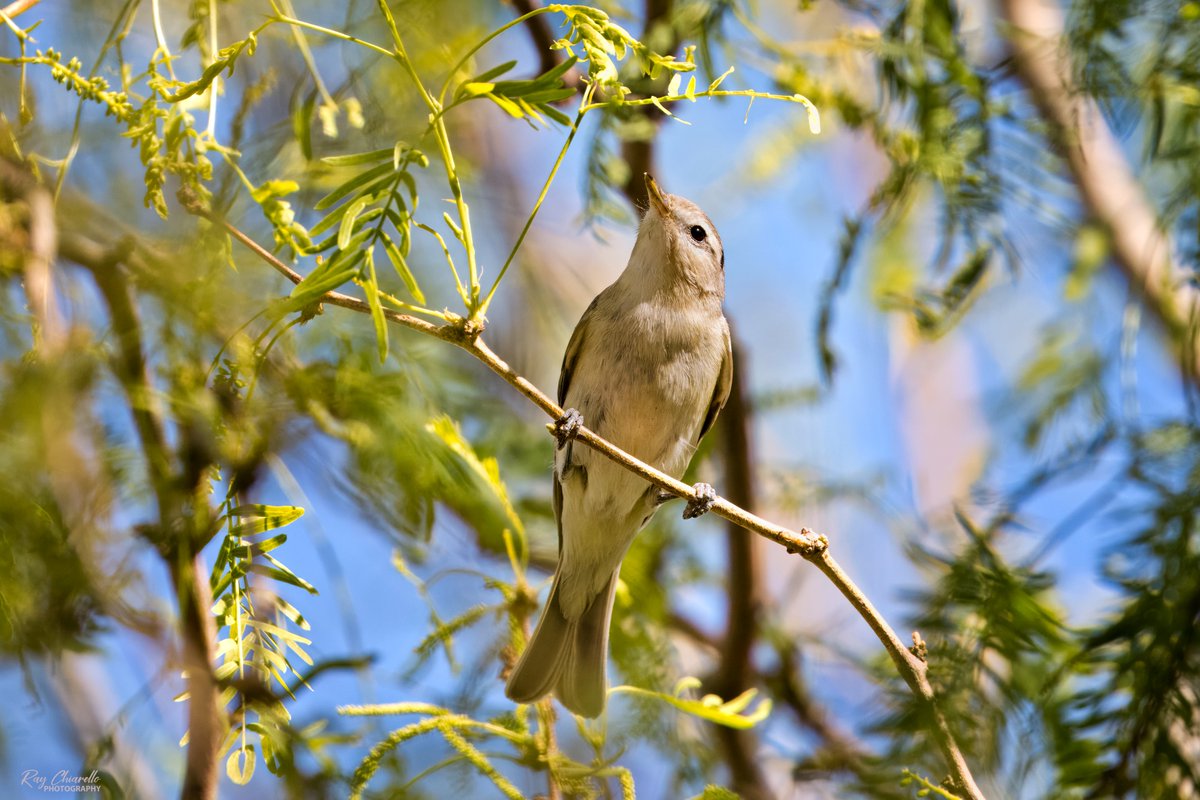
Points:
(567, 657)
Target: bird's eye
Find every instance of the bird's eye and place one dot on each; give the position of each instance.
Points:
(698, 233)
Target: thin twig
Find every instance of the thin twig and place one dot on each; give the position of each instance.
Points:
(813, 547)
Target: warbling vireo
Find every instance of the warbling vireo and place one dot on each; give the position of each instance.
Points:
(648, 367)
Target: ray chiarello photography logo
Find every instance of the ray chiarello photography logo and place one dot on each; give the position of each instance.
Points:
(60, 781)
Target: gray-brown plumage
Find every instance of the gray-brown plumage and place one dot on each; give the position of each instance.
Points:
(648, 367)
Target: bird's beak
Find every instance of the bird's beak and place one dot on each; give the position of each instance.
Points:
(656, 196)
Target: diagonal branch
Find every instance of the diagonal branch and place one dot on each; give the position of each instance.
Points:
(812, 547)
(17, 7)
(1107, 185)
(183, 521)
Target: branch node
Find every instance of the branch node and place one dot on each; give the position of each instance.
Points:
(311, 310)
(810, 545)
(192, 202)
(919, 649)
(461, 331)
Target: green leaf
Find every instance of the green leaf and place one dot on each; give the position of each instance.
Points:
(255, 548)
(442, 634)
(354, 159)
(476, 88)
(358, 181)
(295, 647)
(221, 584)
(335, 218)
(401, 266)
(290, 611)
(720, 79)
(276, 631)
(224, 59)
(549, 95)
(371, 285)
(409, 182)
(712, 792)
(258, 518)
(556, 115)
(225, 671)
(710, 707)
(494, 72)
(511, 108)
(452, 225)
(273, 188)
(346, 227)
(487, 469)
(559, 70)
(302, 124)
(333, 273)
(281, 573)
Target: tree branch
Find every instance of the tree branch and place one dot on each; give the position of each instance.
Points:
(813, 547)
(183, 521)
(639, 153)
(1107, 185)
(742, 622)
(735, 671)
(539, 31)
(18, 7)
(841, 751)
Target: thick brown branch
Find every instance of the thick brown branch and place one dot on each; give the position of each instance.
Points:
(639, 153)
(812, 547)
(742, 622)
(735, 672)
(183, 518)
(1107, 185)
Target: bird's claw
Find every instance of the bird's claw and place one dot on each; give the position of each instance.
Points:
(702, 503)
(567, 427)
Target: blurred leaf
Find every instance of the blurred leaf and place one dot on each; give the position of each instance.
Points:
(710, 707)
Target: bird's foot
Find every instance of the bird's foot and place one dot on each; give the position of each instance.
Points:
(702, 503)
(567, 427)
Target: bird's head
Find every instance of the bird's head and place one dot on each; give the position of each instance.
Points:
(678, 244)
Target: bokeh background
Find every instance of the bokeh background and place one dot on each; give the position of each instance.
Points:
(948, 364)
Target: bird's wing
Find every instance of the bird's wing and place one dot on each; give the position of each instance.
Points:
(721, 390)
(574, 348)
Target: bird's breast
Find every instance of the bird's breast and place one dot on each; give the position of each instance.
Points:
(645, 378)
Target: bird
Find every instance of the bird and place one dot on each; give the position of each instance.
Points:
(648, 367)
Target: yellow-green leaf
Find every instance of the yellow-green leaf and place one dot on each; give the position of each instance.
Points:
(447, 430)
(710, 707)
(476, 88)
(401, 266)
(240, 765)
